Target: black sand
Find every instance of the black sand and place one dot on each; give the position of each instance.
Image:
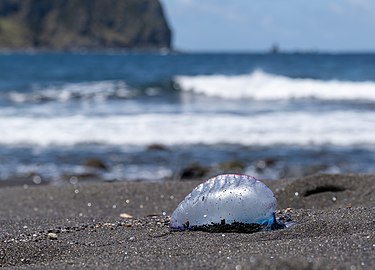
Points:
(79, 227)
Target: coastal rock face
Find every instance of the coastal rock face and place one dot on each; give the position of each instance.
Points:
(83, 24)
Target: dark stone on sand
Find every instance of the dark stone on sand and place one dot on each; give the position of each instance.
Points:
(194, 171)
(95, 163)
(83, 24)
(233, 166)
(157, 147)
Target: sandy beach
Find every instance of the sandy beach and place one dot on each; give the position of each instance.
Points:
(122, 225)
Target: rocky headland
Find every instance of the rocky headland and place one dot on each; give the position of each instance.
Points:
(83, 24)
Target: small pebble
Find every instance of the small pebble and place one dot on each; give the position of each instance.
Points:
(125, 215)
(52, 236)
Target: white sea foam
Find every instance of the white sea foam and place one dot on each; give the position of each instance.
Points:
(97, 91)
(263, 86)
(292, 128)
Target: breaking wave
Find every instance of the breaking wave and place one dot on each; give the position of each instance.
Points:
(264, 86)
(298, 128)
(96, 91)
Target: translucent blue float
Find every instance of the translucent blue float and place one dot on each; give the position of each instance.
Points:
(227, 202)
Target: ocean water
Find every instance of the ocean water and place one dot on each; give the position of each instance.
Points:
(150, 116)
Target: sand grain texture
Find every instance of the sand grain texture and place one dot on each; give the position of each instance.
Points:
(79, 227)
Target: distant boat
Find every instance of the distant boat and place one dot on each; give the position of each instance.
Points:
(274, 49)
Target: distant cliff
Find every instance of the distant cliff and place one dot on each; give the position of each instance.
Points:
(83, 24)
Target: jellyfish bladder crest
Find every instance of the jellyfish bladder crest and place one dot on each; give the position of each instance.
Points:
(228, 199)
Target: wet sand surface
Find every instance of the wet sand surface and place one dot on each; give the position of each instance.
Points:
(125, 225)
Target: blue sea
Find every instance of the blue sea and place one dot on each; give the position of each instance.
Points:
(149, 116)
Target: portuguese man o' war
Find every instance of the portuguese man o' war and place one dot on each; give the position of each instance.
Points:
(231, 202)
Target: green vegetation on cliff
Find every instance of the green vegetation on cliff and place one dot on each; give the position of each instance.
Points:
(83, 24)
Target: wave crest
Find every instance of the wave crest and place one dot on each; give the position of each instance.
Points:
(263, 86)
(337, 128)
(97, 91)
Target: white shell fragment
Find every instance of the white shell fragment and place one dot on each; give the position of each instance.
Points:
(226, 199)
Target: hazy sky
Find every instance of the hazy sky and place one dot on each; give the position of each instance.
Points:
(246, 25)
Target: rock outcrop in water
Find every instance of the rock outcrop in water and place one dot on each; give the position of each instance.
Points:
(83, 24)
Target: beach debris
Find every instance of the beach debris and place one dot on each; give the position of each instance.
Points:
(125, 215)
(227, 202)
(52, 236)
